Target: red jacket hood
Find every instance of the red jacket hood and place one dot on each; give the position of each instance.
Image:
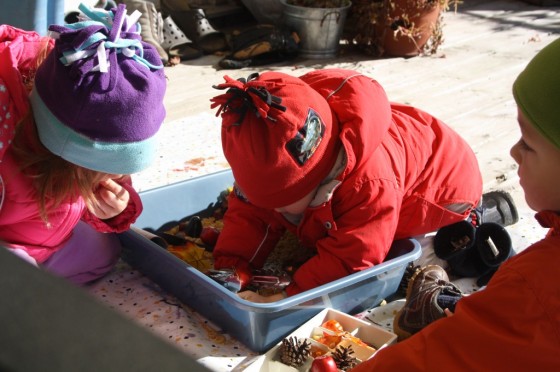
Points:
(354, 105)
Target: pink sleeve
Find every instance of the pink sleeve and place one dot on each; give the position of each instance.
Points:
(7, 118)
(19, 51)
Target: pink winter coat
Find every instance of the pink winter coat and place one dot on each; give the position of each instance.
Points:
(22, 227)
(511, 325)
(401, 167)
(20, 223)
(18, 53)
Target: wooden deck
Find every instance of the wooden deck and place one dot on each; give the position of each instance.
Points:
(467, 83)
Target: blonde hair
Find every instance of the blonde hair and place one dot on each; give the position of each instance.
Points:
(55, 180)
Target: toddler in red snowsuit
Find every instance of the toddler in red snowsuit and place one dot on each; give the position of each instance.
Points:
(328, 157)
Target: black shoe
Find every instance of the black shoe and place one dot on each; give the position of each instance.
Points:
(497, 207)
(260, 45)
(473, 252)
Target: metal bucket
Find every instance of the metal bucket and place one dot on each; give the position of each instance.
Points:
(319, 29)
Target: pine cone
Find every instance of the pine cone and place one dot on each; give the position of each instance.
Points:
(294, 352)
(343, 358)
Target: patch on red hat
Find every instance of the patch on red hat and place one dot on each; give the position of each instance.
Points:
(308, 138)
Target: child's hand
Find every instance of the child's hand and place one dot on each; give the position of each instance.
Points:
(255, 297)
(448, 312)
(112, 199)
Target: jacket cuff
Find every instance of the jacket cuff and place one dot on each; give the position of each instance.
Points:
(122, 221)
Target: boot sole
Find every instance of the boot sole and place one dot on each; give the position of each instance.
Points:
(505, 202)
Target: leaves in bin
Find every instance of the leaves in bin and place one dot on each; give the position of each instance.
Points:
(194, 255)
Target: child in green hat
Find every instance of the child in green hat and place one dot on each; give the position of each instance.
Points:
(514, 323)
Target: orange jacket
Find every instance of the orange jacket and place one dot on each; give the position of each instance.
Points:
(401, 166)
(511, 325)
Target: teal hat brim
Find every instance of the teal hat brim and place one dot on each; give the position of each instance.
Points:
(113, 158)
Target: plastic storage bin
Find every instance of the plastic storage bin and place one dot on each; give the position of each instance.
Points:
(258, 326)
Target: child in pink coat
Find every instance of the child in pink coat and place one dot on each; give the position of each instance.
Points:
(89, 122)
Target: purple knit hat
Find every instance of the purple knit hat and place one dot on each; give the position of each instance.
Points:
(98, 96)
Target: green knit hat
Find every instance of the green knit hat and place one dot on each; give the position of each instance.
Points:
(537, 92)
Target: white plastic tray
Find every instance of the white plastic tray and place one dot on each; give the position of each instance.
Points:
(369, 333)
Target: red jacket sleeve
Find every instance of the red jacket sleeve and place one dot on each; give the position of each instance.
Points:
(512, 325)
(249, 235)
(361, 234)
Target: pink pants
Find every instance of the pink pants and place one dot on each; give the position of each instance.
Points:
(87, 256)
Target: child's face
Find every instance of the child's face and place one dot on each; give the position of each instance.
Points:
(299, 206)
(539, 167)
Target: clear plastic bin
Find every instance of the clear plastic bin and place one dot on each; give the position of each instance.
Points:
(258, 326)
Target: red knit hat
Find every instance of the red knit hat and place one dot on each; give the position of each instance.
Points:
(278, 135)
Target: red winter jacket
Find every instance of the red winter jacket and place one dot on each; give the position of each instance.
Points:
(511, 325)
(401, 166)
